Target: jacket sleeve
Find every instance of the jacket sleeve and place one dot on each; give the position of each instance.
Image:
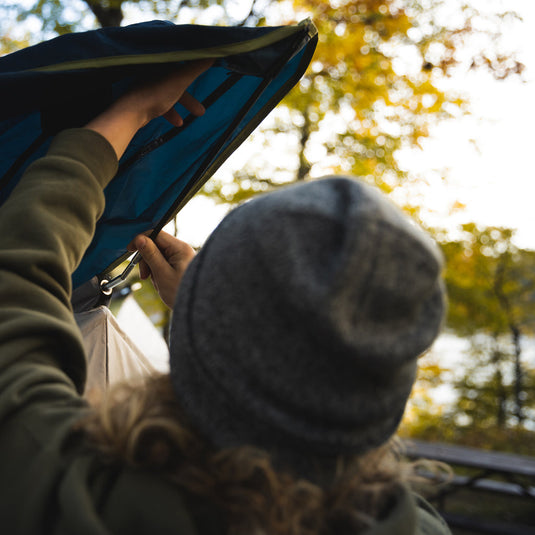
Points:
(46, 225)
(429, 521)
(50, 480)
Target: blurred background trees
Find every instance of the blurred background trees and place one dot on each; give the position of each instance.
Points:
(491, 291)
(377, 85)
(491, 284)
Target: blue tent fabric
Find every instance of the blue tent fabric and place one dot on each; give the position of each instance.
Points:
(66, 81)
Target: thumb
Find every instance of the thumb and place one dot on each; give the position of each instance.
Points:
(151, 255)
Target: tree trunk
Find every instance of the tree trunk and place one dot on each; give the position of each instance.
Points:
(514, 329)
(106, 15)
(501, 392)
(519, 375)
(304, 164)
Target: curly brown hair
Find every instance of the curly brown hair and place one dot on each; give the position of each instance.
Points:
(143, 426)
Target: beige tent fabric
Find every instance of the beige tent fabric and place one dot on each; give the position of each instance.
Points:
(139, 328)
(111, 354)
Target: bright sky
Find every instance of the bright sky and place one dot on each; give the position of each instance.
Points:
(489, 154)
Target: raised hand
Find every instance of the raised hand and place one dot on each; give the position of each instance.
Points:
(157, 98)
(165, 261)
(119, 123)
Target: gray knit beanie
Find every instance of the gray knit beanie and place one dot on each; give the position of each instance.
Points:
(298, 325)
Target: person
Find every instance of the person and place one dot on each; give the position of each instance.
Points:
(295, 336)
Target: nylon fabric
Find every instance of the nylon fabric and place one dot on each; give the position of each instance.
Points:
(66, 81)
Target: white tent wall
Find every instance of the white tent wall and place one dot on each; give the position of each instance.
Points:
(111, 354)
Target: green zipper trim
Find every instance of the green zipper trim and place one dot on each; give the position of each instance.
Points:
(184, 55)
(251, 125)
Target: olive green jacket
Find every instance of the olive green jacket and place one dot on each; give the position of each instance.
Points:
(50, 480)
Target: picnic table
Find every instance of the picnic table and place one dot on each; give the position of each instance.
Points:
(501, 473)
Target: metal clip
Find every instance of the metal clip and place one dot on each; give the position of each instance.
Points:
(106, 286)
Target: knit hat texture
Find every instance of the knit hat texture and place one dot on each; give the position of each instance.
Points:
(298, 325)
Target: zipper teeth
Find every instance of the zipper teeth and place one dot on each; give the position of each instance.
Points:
(268, 106)
(211, 155)
(164, 138)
